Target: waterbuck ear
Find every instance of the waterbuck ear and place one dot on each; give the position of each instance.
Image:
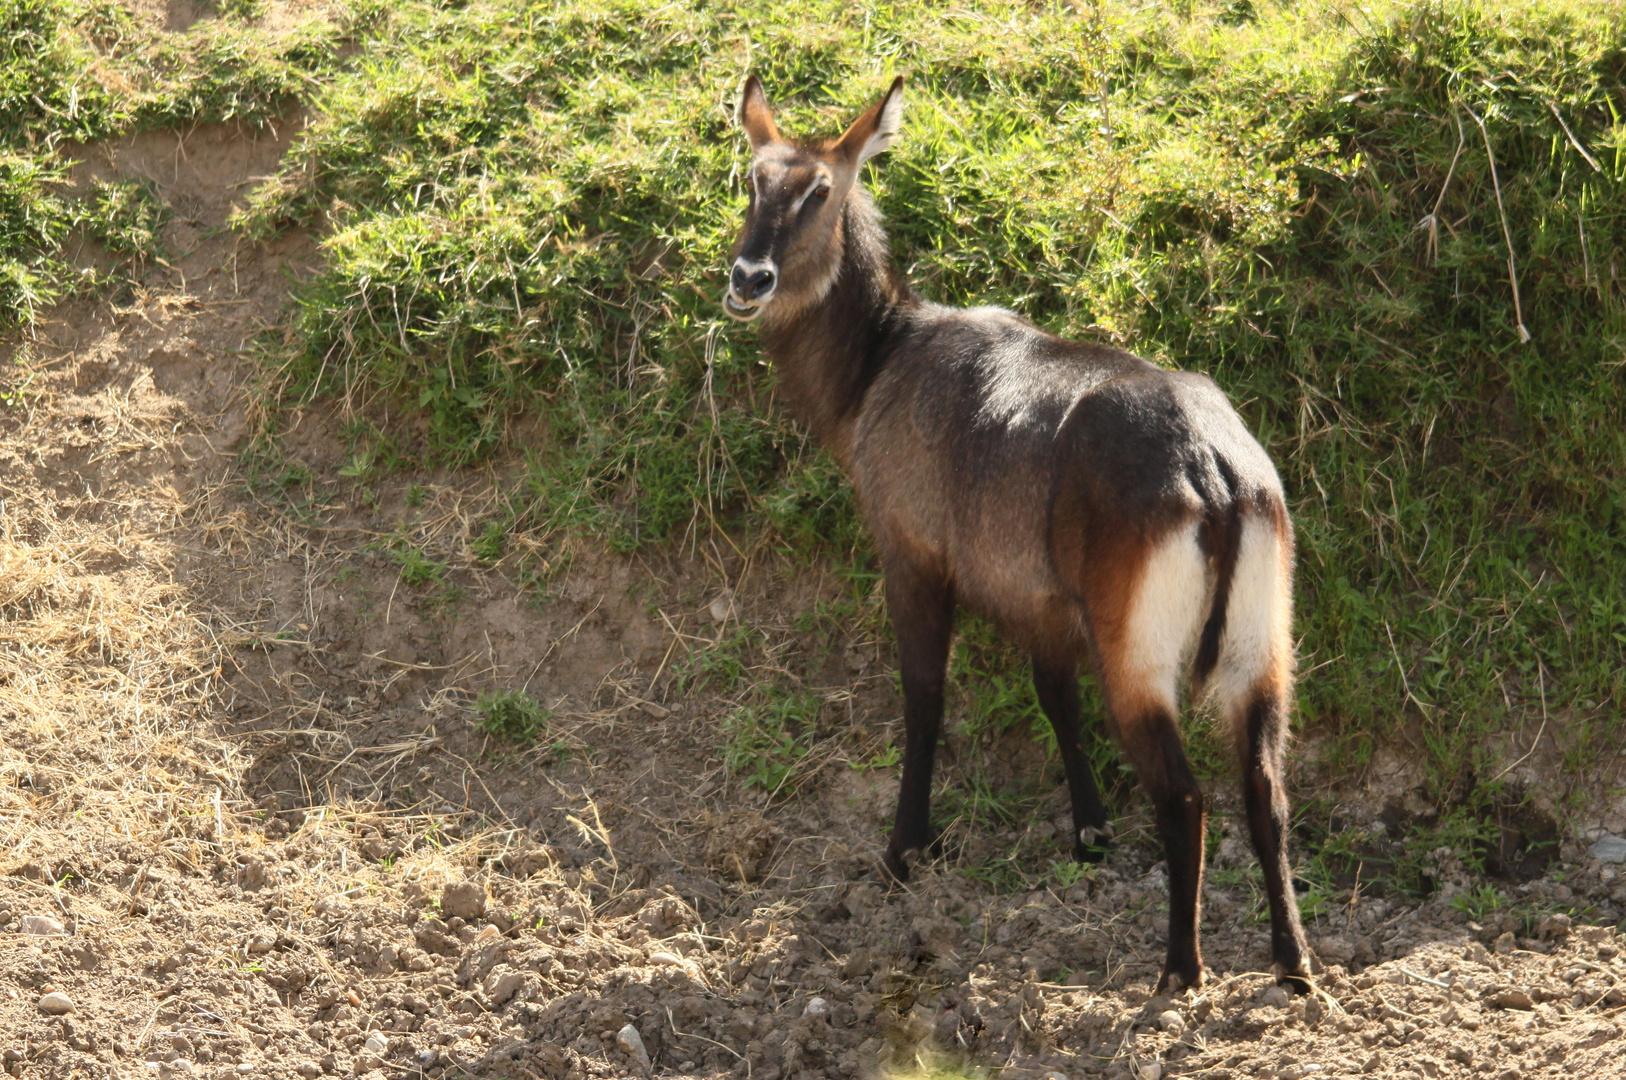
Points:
(755, 116)
(877, 128)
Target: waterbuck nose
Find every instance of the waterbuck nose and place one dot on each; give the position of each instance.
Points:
(750, 283)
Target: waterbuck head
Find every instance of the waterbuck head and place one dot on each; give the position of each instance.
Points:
(789, 251)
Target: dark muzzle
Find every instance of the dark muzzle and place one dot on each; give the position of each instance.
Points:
(751, 286)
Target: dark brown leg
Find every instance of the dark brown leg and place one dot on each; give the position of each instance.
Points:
(922, 618)
(1268, 822)
(1152, 741)
(1057, 687)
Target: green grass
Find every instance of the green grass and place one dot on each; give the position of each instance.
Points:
(511, 714)
(527, 209)
(766, 743)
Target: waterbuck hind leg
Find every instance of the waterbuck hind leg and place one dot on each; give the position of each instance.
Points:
(1263, 738)
(1057, 686)
(922, 619)
(1151, 740)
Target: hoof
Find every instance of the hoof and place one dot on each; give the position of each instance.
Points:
(1295, 982)
(893, 868)
(1092, 844)
(1173, 982)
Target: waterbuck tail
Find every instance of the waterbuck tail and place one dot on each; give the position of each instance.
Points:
(1224, 536)
(1246, 647)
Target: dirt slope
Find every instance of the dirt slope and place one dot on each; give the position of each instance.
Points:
(249, 829)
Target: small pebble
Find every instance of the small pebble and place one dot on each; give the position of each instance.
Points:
(633, 1043)
(816, 1006)
(1611, 849)
(42, 926)
(56, 1003)
(1151, 1070)
(1171, 1021)
(377, 1043)
(244, 1069)
(1504, 944)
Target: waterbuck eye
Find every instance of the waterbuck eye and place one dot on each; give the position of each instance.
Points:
(822, 191)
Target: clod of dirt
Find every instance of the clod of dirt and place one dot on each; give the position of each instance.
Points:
(1514, 999)
(1273, 997)
(738, 843)
(56, 1003)
(1554, 927)
(333, 906)
(464, 900)
(42, 926)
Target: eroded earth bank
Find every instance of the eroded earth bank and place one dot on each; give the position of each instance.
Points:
(251, 827)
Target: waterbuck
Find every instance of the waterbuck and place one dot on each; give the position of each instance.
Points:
(1092, 505)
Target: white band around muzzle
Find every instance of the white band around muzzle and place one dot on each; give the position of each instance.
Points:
(745, 308)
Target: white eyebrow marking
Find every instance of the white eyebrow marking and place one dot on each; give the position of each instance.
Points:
(817, 181)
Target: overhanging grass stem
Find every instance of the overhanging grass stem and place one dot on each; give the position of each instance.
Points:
(1507, 235)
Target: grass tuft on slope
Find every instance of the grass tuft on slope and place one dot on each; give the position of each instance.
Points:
(74, 71)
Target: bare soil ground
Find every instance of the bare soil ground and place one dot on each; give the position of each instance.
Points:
(248, 828)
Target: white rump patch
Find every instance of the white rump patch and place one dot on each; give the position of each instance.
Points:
(1257, 616)
(1167, 616)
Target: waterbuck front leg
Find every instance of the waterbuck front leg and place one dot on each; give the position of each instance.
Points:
(922, 609)
(1056, 683)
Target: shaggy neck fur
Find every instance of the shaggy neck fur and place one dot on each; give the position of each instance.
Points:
(829, 348)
